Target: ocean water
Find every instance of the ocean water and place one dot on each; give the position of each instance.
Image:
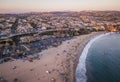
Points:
(103, 60)
(100, 60)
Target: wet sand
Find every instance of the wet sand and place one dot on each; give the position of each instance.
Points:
(56, 64)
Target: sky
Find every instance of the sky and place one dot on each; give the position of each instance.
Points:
(17, 6)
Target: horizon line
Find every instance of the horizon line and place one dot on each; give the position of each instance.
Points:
(14, 12)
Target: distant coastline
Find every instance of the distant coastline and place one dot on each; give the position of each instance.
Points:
(66, 11)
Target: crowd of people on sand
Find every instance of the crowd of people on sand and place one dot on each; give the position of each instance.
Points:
(23, 50)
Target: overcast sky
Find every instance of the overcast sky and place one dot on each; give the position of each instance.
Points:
(57, 5)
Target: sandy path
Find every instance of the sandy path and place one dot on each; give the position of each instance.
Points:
(56, 64)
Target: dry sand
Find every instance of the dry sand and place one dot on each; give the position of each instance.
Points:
(57, 64)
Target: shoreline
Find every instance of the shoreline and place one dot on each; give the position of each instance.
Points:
(56, 64)
(81, 67)
(81, 48)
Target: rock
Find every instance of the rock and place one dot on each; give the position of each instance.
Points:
(30, 58)
(16, 80)
(56, 44)
(45, 65)
(31, 69)
(53, 69)
(58, 54)
(38, 78)
(33, 57)
(48, 72)
(14, 67)
(64, 51)
(53, 80)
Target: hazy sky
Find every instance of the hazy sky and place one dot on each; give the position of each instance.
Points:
(57, 5)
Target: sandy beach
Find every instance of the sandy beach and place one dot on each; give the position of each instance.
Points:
(56, 64)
